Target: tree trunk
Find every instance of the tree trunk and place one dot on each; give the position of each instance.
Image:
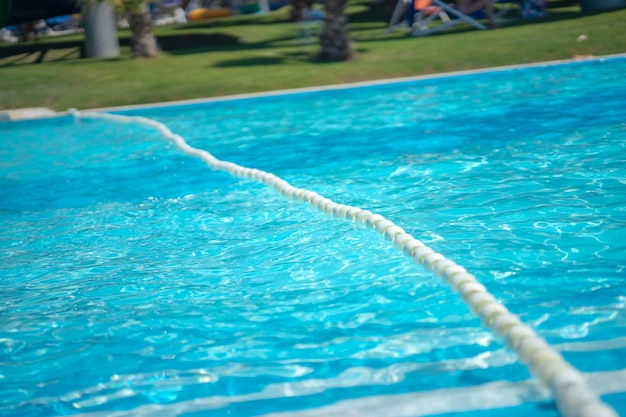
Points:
(100, 30)
(143, 42)
(335, 39)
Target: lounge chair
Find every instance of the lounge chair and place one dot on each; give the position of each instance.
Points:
(425, 17)
(428, 21)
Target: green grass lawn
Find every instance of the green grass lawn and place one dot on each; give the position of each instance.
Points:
(246, 54)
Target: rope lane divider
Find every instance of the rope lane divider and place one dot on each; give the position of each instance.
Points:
(573, 396)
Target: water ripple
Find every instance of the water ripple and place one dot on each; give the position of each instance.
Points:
(135, 281)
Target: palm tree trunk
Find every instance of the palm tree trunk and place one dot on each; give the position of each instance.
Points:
(335, 39)
(143, 42)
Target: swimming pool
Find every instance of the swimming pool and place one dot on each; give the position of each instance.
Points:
(136, 281)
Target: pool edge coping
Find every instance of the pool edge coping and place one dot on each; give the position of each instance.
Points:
(330, 87)
(37, 113)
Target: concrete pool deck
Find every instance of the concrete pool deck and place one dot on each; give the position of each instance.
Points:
(27, 113)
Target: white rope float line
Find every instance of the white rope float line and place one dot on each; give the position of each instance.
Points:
(573, 396)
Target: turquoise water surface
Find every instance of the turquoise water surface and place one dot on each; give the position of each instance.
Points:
(136, 281)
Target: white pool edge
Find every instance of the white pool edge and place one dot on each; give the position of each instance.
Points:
(28, 115)
(331, 87)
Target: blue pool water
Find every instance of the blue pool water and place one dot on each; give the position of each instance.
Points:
(136, 281)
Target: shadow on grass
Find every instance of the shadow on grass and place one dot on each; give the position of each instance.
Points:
(557, 4)
(21, 51)
(178, 44)
(275, 59)
(244, 62)
(197, 42)
(374, 12)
